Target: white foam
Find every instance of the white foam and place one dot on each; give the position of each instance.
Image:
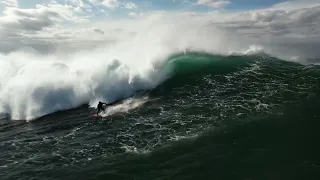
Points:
(125, 106)
(41, 85)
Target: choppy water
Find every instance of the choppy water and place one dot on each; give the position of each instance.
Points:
(216, 117)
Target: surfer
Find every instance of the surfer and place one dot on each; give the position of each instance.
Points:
(100, 106)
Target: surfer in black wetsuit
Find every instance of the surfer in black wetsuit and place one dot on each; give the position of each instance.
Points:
(100, 106)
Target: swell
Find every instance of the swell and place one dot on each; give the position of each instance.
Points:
(223, 88)
(70, 87)
(186, 68)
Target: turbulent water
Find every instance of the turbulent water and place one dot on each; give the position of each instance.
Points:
(208, 117)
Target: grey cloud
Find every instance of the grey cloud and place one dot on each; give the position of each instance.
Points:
(12, 3)
(296, 32)
(98, 31)
(24, 28)
(277, 22)
(306, 16)
(30, 20)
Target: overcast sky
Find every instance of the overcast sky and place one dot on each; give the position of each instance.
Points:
(48, 25)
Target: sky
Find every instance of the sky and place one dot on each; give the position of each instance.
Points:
(122, 8)
(48, 25)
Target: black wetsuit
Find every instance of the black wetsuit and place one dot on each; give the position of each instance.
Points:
(100, 107)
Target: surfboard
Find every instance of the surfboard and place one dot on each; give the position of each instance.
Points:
(96, 116)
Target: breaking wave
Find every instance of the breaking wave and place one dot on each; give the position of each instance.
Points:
(34, 85)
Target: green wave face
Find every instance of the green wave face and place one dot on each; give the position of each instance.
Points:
(217, 88)
(199, 64)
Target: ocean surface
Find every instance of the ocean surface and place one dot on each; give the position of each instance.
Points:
(212, 117)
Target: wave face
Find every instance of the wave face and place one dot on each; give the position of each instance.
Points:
(33, 85)
(236, 87)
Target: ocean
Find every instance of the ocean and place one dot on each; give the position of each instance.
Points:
(246, 116)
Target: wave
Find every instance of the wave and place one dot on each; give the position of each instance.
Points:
(79, 70)
(33, 85)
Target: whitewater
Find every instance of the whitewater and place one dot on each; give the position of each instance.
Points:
(34, 84)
